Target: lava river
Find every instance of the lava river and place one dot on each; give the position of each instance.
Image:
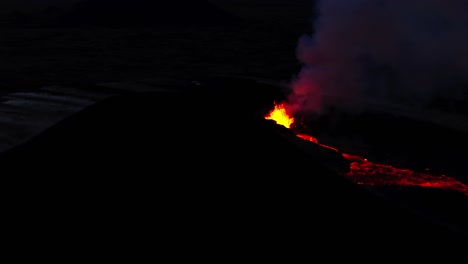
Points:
(368, 173)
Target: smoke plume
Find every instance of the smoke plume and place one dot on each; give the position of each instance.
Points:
(406, 52)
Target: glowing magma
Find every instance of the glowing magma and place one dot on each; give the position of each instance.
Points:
(280, 115)
(368, 173)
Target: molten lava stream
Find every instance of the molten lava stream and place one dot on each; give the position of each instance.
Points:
(368, 173)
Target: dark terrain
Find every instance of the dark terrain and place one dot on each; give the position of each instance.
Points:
(195, 172)
(198, 175)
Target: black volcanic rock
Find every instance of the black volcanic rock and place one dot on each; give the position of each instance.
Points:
(194, 175)
(143, 13)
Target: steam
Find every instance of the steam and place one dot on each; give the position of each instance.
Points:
(407, 52)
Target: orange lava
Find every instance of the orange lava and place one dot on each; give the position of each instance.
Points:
(365, 172)
(308, 138)
(280, 116)
(314, 140)
(368, 173)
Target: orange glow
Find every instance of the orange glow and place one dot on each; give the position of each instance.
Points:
(315, 140)
(368, 173)
(280, 116)
(372, 174)
(308, 138)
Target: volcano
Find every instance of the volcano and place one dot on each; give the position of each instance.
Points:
(199, 166)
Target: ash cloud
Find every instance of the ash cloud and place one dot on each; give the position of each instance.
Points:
(407, 52)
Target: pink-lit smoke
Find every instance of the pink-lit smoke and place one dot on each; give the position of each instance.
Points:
(407, 52)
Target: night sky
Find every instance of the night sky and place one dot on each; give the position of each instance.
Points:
(28, 5)
(31, 5)
(242, 6)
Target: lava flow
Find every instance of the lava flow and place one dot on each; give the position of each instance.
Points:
(368, 173)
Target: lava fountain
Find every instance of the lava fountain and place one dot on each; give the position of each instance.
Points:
(280, 116)
(368, 173)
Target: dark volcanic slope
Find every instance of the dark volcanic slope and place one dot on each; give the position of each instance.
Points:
(123, 13)
(195, 172)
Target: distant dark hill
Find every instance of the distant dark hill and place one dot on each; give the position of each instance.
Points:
(143, 13)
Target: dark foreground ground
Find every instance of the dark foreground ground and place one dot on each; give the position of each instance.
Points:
(197, 173)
